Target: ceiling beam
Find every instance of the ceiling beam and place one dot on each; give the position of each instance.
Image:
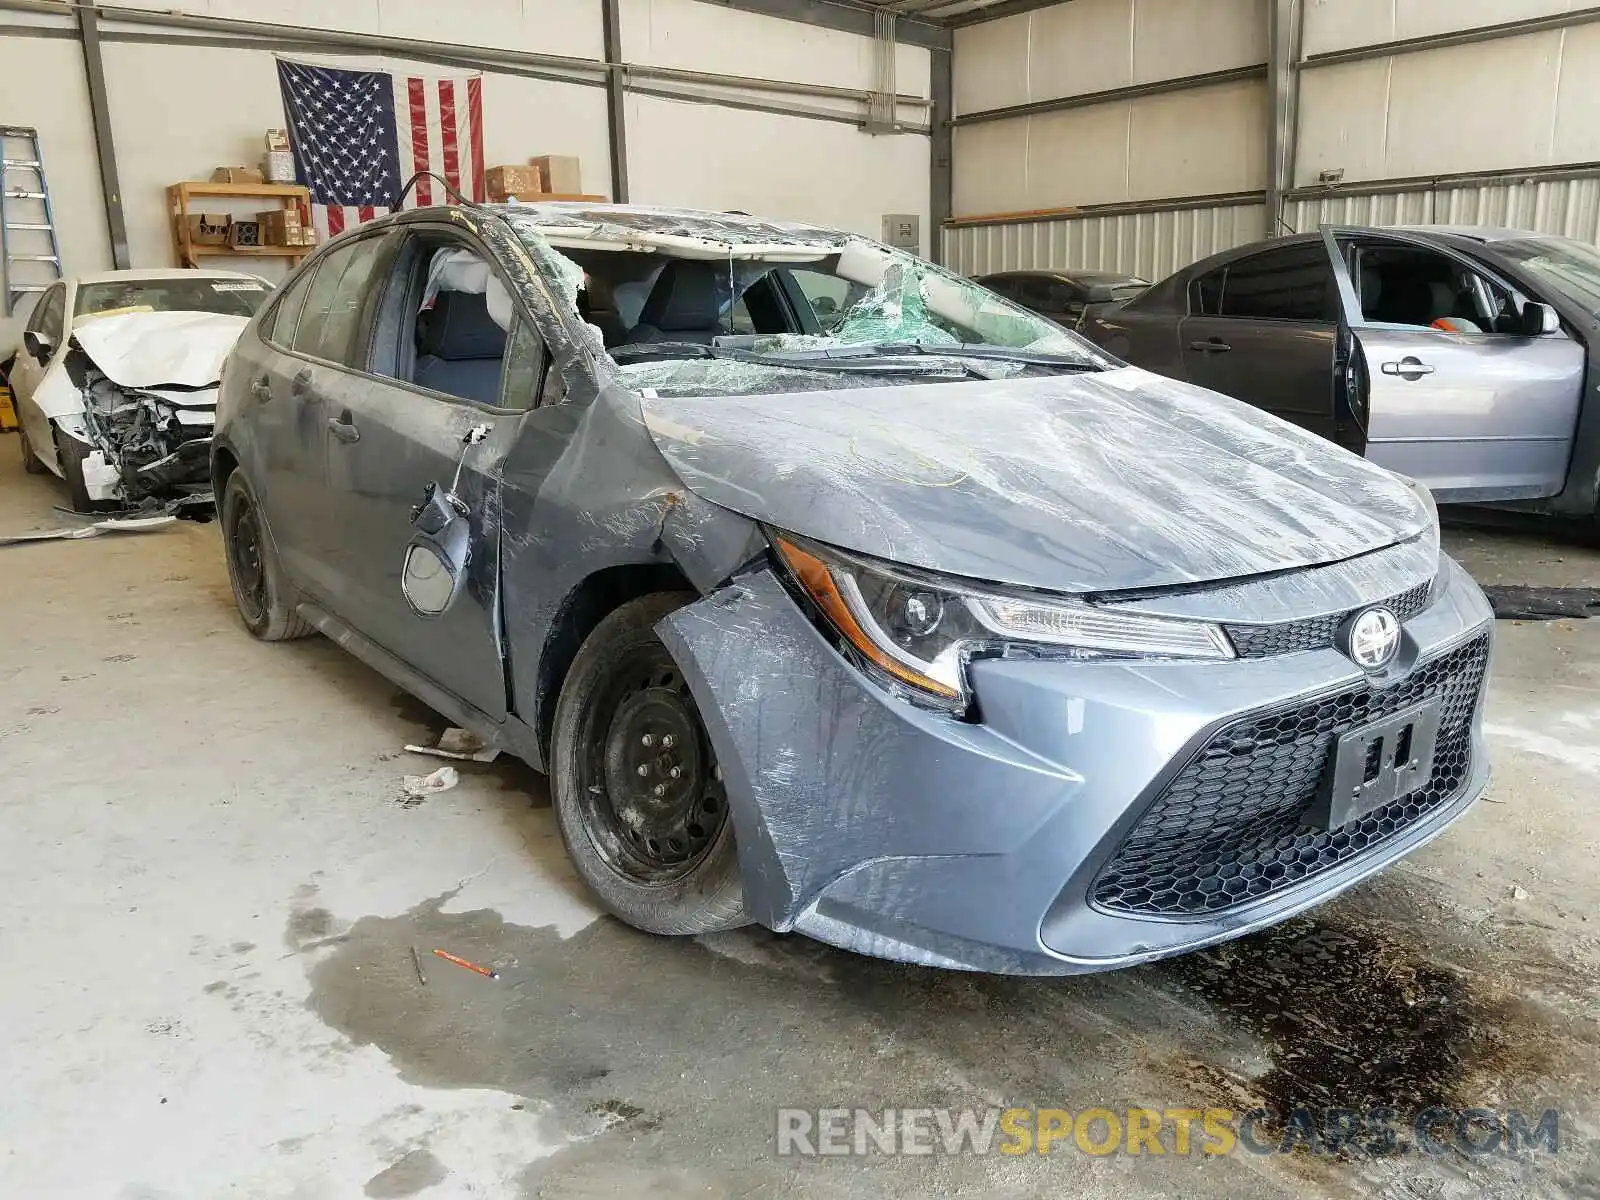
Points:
(849, 18)
(993, 12)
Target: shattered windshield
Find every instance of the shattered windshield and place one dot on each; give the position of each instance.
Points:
(1568, 267)
(685, 316)
(230, 297)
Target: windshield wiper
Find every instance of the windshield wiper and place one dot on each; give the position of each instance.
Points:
(880, 350)
(641, 351)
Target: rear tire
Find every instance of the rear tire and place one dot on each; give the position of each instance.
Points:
(637, 792)
(263, 597)
(70, 453)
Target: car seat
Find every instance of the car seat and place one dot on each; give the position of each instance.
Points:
(683, 306)
(460, 348)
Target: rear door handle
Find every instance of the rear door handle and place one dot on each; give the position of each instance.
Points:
(300, 385)
(1213, 346)
(344, 428)
(261, 389)
(1408, 367)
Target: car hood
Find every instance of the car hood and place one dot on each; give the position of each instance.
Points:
(1101, 482)
(160, 349)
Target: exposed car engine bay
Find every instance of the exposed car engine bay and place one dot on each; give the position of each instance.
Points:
(150, 442)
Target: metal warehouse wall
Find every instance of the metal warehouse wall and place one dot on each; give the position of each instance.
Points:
(1069, 108)
(1388, 112)
(723, 108)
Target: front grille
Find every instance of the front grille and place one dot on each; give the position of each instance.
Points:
(1231, 826)
(1314, 633)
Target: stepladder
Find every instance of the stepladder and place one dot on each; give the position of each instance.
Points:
(29, 248)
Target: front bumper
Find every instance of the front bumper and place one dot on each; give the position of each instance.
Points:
(868, 823)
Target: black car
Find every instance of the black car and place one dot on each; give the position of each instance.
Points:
(1065, 296)
(1461, 357)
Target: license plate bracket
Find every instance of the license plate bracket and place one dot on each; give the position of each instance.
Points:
(1377, 764)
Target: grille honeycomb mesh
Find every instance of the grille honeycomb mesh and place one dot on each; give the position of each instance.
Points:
(1230, 826)
(1314, 633)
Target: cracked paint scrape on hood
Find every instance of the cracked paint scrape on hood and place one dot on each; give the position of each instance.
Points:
(1082, 483)
(155, 349)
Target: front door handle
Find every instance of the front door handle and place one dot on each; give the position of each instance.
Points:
(261, 389)
(344, 428)
(1211, 346)
(1409, 367)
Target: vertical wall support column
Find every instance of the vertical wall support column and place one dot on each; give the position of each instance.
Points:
(616, 99)
(1283, 100)
(105, 149)
(941, 160)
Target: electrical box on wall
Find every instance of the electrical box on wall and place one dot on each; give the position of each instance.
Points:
(903, 231)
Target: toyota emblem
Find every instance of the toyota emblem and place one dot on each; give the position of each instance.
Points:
(1372, 639)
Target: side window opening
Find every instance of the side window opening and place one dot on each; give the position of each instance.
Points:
(49, 316)
(1205, 294)
(448, 325)
(1406, 285)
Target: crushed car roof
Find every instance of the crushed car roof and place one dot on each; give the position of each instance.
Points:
(686, 232)
(138, 273)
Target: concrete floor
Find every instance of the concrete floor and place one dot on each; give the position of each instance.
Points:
(212, 888)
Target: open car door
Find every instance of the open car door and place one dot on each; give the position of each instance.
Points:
(1457, 378)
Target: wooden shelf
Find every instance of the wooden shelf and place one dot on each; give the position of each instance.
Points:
(207, 188)
(187, 254)
(201, 251)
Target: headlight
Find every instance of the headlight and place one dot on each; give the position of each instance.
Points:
(920, 629)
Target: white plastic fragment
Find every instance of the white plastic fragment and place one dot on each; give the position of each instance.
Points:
(421, 786)
(72, 533)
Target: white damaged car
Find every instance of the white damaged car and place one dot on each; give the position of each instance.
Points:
(115, 382)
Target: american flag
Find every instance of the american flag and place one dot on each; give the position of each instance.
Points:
(358, 135)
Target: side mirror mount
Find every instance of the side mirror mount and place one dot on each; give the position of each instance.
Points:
(434, 571)
(39, 346)
(438, 554)
(1539, 319)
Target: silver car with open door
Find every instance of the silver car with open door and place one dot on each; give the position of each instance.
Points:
(1458, 357)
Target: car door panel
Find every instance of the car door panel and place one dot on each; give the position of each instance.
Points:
(1283, 367)
(1476, 417)
(1473, 416)
(387, 442)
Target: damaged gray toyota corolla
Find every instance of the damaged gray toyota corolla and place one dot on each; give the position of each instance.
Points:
(836, 594)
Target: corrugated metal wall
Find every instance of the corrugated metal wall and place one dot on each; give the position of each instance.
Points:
(1568, 207)
(1151, 244)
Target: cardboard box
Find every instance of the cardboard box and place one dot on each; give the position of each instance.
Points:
(502, 183)
(279, 226)
(302, 235)
(244, 233)
(236, 175)
(208, 229)
(559, 173)
(277, 140)
(277, 166)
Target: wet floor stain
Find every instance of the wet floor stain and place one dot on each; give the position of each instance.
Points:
(654, 1056)
(415, 1172)
(1357, 1018)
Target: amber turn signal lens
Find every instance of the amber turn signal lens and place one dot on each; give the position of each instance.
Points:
(814, 575)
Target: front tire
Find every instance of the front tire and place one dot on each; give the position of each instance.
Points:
(264, 599)
(637, 791)
(70, 453)
(31, 462)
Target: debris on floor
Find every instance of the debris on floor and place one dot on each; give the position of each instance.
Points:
(72, 532)
(1520, 603)
(458, 744)
(419, 787)
(486, 972)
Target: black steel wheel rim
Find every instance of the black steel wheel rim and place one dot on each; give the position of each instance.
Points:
(649, 788)
(249, 571)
